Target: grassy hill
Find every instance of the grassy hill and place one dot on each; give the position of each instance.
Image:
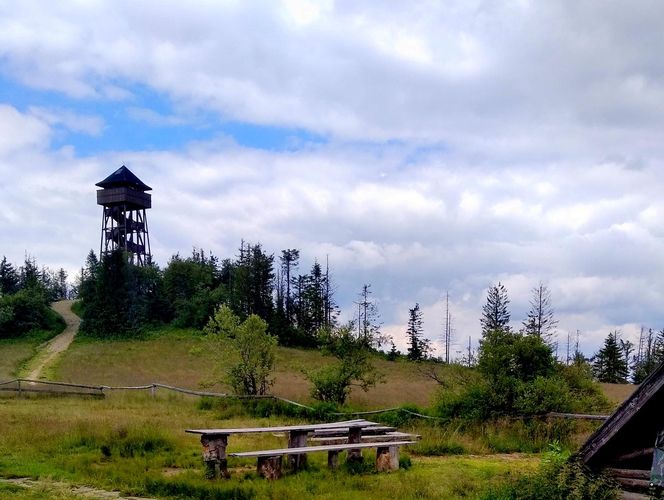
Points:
(184, 358)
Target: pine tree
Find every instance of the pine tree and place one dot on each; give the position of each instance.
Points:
(495, 315)
(418, 347)
(609, 363)
(541, 321)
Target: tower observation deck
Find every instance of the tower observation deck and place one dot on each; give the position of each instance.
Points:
(124, 224)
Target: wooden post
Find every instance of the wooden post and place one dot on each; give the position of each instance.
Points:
(269, 467)
(19, 387)
(387, 458)
(355, 436)
(153, 391)
(214, 455)
(333, 459)
(297, 439)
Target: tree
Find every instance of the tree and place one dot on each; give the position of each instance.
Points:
(289, 261)
(418, 347)
(541, 321)
(495, 315)
(254, 347)
(333, 383)
(9, 279)
(609, 363)
(368, 320)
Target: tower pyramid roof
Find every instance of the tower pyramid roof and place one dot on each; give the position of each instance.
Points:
(123, 177)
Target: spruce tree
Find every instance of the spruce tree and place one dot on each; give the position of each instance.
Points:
(495, 315)
(9, 279)
(418, 348)
(609, 364)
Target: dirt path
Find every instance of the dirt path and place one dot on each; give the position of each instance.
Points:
(56, 345)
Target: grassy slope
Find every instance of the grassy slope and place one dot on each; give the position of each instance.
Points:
(15, 352)
(182, 358)
(137, 445)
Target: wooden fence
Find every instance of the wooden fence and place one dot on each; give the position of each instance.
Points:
(21, 386)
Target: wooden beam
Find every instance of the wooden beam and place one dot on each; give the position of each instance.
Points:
(629, 473)
(639, 484)
(635, 454)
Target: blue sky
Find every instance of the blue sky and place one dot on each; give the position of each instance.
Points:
(147, 121)
(424, 148)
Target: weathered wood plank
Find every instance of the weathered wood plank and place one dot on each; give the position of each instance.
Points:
(629, 473)
(389, 436)
(287, 428)
(341, 431)
(640, 484)
(309, 449)
(578, 416)
(635, 454)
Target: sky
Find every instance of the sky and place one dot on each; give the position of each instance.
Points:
(423, 147)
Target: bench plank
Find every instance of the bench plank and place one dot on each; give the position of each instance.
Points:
(308, 449)
(389, 436)
(341, 426)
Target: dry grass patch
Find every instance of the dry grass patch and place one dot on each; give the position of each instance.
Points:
(617, 393)
(185, 359)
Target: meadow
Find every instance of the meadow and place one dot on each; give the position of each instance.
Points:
(135, 444)
(185, 358)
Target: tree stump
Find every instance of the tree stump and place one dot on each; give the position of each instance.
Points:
(355, 436)
(333, 459)
(387, 458)
(269, 467)
(214, 455)
(297, 439)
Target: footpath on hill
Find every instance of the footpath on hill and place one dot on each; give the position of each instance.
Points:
(53, 348)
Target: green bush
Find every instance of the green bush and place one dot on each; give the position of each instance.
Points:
(559, 477)
(25, 311)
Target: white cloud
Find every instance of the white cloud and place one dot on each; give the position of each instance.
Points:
(469, 142)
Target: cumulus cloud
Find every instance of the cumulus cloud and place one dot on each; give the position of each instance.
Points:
(463, 143)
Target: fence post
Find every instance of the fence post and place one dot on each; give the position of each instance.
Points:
(153, 390)
(19, 387)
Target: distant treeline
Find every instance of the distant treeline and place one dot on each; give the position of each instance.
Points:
(25, 295)
(120, 299)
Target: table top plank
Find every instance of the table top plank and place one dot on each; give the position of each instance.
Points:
(308, 449)
(341, 426)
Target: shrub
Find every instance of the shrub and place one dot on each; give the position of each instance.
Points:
(332, 384)
(254, 346)
(561, 478)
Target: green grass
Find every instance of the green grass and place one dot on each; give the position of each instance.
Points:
(15, 352)
(186, 359)
(136, 445)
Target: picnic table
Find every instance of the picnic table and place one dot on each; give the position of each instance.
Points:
(215, 443)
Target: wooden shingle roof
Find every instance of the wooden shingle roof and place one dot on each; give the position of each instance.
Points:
(123, 177)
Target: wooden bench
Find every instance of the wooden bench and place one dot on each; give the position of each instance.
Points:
(269, 462)
(215, 441)
(366, 438)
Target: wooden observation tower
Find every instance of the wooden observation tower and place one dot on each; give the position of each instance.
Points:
(124, 224)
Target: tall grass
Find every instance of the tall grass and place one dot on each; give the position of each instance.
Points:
(137, 445)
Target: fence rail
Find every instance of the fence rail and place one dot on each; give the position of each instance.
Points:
(21, 385)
